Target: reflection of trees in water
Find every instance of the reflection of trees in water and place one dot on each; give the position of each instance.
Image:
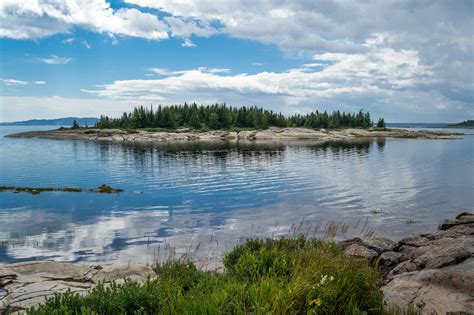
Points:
(343, 148)
(381, 144)
(221, 153)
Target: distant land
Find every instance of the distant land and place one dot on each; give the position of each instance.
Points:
(464, 124)
(66, 121)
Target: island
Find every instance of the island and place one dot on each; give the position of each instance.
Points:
(219, 122)
(463, 124)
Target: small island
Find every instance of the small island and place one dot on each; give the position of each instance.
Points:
(464, 124)
(219, 122)
(102, 189)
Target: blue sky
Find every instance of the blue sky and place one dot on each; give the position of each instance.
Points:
(410, 61)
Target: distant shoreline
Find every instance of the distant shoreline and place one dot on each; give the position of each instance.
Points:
(270, 134)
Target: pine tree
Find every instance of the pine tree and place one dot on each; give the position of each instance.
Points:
(381, 123)
(75, 125)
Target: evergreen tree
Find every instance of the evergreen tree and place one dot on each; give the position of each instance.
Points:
(214, 122)
(381, 123)
(75, 125)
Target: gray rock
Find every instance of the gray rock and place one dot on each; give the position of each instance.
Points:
(275, 134)
(406, 266)
(462, 218)
(414, 240)
(379, 244)
(30, 284)
(439, 291)
(445, 252)
(356, 250)
(390, 258)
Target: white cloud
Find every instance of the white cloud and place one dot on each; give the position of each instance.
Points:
(379, 70)
(86, 44)
(188, 43)
(165, 72)
(55, 60)
(13, 82)
(258, 64)
(69, 40)
(348, 81)
(444, 43)
(40, 82)
(39, 18)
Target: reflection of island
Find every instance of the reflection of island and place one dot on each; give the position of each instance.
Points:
(218, 152)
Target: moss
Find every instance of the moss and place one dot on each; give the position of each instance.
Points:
(105, 189)
(37, 190)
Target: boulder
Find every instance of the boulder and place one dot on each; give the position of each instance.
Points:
(434, 291)
(462, 218)
(379, 244)
(390, 258)
(356, 250)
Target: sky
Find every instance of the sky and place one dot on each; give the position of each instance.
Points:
(406, 61)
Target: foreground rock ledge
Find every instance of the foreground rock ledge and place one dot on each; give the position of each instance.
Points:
(23, 285)
(274, 134)
(433, 273)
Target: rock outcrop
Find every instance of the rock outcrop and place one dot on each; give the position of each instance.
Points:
(23, 285)
(273, 134)
(433, 273)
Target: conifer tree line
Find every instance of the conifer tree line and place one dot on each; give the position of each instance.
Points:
(221, 116)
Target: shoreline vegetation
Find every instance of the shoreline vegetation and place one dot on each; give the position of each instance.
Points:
(102, 189)
(421, 274)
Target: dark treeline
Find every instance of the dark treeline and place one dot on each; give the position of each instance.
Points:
(220, 116)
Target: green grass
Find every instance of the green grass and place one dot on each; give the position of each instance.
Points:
(286, 276)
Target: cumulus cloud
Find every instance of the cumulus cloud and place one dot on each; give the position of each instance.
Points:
(379, 70)
(38, 18)
(55, 60)
(371, 53)
(442, 42)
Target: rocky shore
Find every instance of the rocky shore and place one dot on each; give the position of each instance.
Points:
(433, 273)
(272, 134)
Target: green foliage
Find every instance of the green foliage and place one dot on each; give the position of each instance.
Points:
(220, 116)
(286, 276)
(381, 123)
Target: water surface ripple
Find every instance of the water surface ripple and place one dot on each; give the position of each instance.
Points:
(210, 196)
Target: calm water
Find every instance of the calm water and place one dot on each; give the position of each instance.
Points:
(206, 198)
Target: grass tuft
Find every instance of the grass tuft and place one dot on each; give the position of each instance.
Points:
(285, 276)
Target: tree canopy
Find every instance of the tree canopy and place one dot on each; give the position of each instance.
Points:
(221, 116)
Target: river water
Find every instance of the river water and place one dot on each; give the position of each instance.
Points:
(202, 199)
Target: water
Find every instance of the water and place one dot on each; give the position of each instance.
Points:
(202, 199)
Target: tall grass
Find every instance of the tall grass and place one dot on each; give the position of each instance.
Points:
(286, 276)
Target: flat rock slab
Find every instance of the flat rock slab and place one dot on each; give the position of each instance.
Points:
(273, 133)
(24, 285)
